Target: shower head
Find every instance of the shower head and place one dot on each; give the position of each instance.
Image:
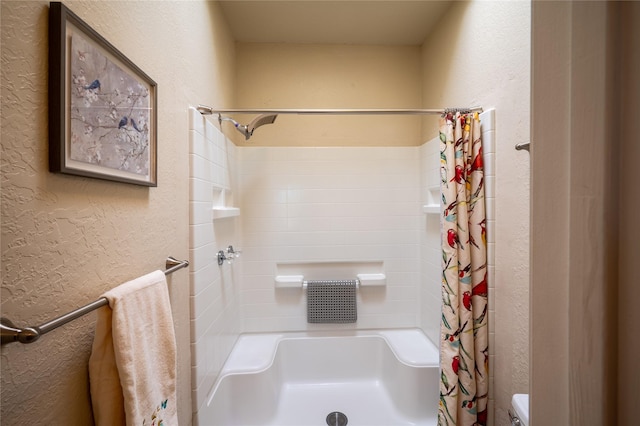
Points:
(248, 129)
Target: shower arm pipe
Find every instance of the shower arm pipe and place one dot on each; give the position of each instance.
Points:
(203, 109)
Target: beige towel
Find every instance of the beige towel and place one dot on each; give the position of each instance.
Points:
(132, 368)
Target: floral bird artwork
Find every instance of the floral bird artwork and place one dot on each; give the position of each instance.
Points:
(135, 126)
(104, 98)
(95, 85)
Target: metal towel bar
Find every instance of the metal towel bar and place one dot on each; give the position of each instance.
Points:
(10, 333)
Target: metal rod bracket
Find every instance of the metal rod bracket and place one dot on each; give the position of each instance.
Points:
(10, 333)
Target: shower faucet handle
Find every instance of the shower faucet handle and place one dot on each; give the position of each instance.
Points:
(233, 252)
(222, 257)
(229, 255)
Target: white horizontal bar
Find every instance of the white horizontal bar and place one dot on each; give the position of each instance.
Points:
(371, 280)
(298, 281)
(289, 281)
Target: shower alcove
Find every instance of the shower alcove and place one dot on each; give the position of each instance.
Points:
(315, 206)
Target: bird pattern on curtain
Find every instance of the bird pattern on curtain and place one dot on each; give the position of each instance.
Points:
(464, 331)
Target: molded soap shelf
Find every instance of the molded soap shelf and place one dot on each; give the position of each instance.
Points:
(433, 200)
(222, 212)
(220, 209)
(431, 209)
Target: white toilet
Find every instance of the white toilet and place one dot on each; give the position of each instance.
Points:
(519, 412)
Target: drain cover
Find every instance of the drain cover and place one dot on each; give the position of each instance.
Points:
(337, 419)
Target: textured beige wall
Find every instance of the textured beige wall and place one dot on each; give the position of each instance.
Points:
(66, 239)
(479, 55)
(330, 76)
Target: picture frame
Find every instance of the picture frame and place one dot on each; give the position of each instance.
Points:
(102, 107)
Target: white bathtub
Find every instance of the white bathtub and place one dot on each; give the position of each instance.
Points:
(385, 377)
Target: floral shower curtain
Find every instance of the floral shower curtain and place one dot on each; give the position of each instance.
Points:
(463, 332)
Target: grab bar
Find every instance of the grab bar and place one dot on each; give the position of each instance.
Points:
(298, 281)
(10, 333)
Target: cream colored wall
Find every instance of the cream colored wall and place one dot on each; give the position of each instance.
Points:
(66, 239)
(330, 76)
(479, 55)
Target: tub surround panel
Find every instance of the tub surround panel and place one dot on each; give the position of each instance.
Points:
(489, 160)
(319, 205)
(215, 323)
(430, 259)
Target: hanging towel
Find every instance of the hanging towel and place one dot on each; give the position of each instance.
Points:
(132, 368)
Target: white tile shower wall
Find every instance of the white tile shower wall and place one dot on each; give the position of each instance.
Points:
(324, 205)
(430, 236)
(488, 119)
(431, 253)
(215, 323)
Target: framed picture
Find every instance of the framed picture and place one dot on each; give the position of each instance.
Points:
(102, 107)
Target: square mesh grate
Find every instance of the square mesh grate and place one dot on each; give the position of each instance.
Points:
(331, 301)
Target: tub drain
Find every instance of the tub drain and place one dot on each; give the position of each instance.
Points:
(336, 419)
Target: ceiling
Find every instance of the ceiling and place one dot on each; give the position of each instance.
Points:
(382, 22)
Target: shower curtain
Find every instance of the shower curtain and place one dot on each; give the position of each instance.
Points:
(463, 331)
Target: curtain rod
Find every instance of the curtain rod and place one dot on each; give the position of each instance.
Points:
(206, 110)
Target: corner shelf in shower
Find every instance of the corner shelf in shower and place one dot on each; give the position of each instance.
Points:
(433, 203)
(431, 209)
(220, 209)
(222, 212)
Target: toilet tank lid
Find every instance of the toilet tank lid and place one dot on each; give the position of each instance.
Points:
(520, 403)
